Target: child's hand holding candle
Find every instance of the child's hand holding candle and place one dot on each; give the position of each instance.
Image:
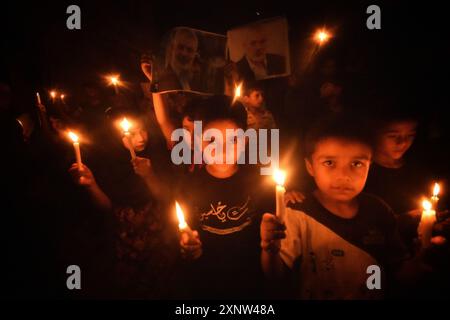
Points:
(191, 246)
(272, 230)
(76, 146)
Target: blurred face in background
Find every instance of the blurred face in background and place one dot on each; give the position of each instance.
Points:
(255, 99)
(395, 139)
(138, 137)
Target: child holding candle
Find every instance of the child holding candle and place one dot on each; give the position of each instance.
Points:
(132, 191)
(224, 203)
(395, 176)
(331, 238)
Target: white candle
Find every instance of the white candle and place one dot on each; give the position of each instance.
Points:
(427, 221)
(435, 197)
(76, 146)
(279, 177)
(38, 97)
(126, 125)
(182, 225)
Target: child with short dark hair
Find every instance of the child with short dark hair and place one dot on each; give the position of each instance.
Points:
(330, 240)
(258, 116)
(224, 202)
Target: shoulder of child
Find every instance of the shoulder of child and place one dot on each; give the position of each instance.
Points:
(377, 206)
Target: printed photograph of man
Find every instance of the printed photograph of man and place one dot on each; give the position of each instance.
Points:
(261, 50)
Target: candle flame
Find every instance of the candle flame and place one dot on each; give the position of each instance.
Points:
(126, 125)
(321, 36)
(426, 205)
(114, 80)
(63, 96)
(53, 94)
(279, 176)
(72, 136)
(181, 222)
(238, 91)
(436, 190)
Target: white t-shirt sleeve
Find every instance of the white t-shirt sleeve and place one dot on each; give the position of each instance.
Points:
(291, 246)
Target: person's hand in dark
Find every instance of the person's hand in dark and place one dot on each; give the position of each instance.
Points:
(83, 177)
(293, 197)
(142, 167)
(191, 247)
(272, 231)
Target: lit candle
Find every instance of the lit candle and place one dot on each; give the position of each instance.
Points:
(182, 225)
(280, 176)
(237, 92)
(62, 96)
(435, 197)
(38, 98)
(76, 146)
(53, 94)
(321, 36)
(126, 125)
(114, 80)
(427, 221)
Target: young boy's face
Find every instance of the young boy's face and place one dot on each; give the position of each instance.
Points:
(138, 137)
(396, 139)
(223, 143)
(339, 168)
(255, 99)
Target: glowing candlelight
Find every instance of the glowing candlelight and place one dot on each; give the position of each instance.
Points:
(427, 221)
(76, 146)
(182, 225)
(62, 96)
(237, 92)
(114, 80)
(53, 94)
(126, 125)
(38, 98)
(435, 197)
(322, 36)
(280, 176)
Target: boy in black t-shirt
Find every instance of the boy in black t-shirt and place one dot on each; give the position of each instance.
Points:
(224, 202)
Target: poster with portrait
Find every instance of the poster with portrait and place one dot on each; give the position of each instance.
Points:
(261, 49)
(191, 60)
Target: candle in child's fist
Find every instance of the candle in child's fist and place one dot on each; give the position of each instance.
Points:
(76, 146)
(280, 176)
(126, 125)
(182, 225)
(427, 221)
